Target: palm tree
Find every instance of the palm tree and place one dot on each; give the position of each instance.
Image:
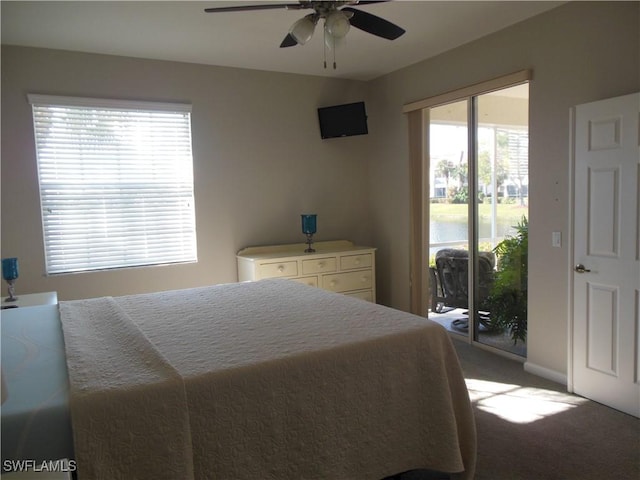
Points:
(485, 170)
(445, 168)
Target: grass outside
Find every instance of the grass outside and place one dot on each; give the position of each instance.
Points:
(507, 212)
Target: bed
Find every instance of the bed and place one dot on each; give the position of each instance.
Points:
(269, 379)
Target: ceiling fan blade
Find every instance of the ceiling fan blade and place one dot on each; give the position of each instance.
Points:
(269, 6)
(369, 2)
(374, 24)
(288, 41)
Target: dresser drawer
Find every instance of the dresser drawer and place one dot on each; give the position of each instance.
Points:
(349, 262)
(311, 281)
(278, 269)
(319, 265)
(362, 295)
(344, 282)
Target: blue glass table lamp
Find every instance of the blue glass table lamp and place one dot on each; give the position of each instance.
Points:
(309, 227)
(10, 274)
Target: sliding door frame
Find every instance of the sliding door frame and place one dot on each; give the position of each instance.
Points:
(419, 208)
(419, 164)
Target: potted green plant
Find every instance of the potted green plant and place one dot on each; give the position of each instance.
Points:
(508, 297)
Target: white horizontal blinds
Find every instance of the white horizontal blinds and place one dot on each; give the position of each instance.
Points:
(116, 183)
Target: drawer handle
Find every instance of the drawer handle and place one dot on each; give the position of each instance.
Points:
(281, 268)
(332, 283)
(320, 264)
(357, 261)
(364, 279)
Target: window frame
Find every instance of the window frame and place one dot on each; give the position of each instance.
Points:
(125, 156)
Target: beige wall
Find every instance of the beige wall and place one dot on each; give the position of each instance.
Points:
(259, 162)
(579, 52)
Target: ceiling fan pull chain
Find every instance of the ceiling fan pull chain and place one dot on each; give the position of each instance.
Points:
(333, 44)
(324, 30)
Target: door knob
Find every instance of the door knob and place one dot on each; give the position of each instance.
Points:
(580, 268)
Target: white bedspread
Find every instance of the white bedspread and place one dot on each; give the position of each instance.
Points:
(263, 380)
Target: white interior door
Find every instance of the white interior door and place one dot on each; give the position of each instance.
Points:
(606, 277)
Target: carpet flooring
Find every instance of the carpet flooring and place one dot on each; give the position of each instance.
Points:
(530, 428)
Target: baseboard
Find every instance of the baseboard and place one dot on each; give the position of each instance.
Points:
(545, 373)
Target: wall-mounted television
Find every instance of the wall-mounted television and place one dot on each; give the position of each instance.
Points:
(343, 120)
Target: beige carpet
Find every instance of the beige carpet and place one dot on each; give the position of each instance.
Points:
(529, 428)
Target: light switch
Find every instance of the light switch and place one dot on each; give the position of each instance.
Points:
(556, 239)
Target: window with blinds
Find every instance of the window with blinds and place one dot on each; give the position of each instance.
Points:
(116, 183)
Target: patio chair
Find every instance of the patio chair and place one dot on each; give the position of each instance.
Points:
(450, 284)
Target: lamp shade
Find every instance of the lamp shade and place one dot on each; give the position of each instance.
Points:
(302, 30)
(337, 24)
(10, 268)
(309, 223)
(333, 43)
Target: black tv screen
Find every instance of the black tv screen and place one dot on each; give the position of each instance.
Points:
(343, 120)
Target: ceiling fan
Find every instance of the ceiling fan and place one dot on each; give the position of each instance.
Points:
(337, 21)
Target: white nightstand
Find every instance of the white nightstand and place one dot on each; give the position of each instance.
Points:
(32, 300)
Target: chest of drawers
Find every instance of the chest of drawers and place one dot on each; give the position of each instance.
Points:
(338, 266)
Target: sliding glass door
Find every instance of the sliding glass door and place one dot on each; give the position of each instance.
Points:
(478, 210)
(449, 214)
(502, 185)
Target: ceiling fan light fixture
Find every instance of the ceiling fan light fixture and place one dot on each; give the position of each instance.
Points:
(337, 24)
(302, 30)
(333, 43)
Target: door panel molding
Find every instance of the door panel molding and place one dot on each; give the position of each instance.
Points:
(604, 134)
(602, 328)
(603, 220)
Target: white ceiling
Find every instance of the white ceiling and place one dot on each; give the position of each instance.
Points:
(181, 31)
